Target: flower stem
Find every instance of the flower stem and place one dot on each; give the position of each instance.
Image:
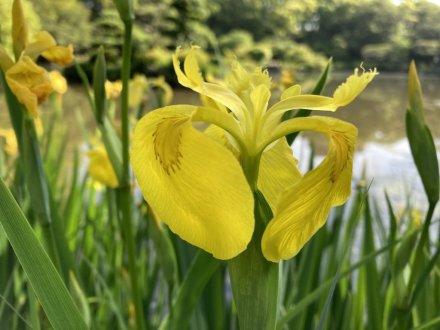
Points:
(125, 77)
(254, 280)
(124, 192)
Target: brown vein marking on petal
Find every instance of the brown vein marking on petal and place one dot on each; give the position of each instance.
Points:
(167, 140)
(343, 151)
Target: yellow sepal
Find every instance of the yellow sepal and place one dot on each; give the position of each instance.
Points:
(195, 185)
(304, 207)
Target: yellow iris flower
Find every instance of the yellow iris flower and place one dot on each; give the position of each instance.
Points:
(101, 169)
(29, 82)
(10, 142)
(200, 183)
(113, 89)
(58, 82)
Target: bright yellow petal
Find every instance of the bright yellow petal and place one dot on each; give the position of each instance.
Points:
(352, 87)
(260, 99)
(193, 79)
(19, 28)
(342, 96)
(59, 55)
(100, 168)
(43, 40)
(10, 142)
(278, 171)
(5, 61)
(113, 89)
(29, 82)
(138, 89)
(305, 206)
(59, 83)
(195, 185)
(294, 90)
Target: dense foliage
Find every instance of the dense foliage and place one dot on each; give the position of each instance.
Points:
(302, 33)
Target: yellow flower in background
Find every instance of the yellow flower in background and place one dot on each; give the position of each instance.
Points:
(200, 183)
(113, 89)
(138, 88)
(28, 81)
(101, 169)
(58, 82)
(166, 91)
(9, 141)
(287, 78)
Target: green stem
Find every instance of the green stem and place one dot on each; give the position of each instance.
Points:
(124, 206)
(124, 193)
(125, 77)
(424, 239)
(254, 280)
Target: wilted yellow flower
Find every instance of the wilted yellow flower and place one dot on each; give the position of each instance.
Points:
(59, 83)
(137, 87)
(9, 141)
(113, 89)
(28, 81)
(204, 192)
(101, 169)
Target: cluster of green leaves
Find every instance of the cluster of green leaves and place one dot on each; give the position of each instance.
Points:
(277, 33)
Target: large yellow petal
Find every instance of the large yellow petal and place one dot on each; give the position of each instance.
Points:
(29, 82)
(305, 206)
(278, 171)
(194, 184)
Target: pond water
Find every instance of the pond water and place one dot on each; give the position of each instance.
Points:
(379, 114)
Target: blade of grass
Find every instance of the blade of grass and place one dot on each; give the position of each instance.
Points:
(340, 264)
(310, 298)
(54, 297)
(201, 270)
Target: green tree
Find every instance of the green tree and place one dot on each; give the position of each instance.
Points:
(262, 18)
(341, 28)
(420, 26)
(67, 20)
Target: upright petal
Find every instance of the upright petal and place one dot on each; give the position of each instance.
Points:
(192, 78)
(278, 171)
(29, 82)
(305, 206)
(194, 184)
(43, 40)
